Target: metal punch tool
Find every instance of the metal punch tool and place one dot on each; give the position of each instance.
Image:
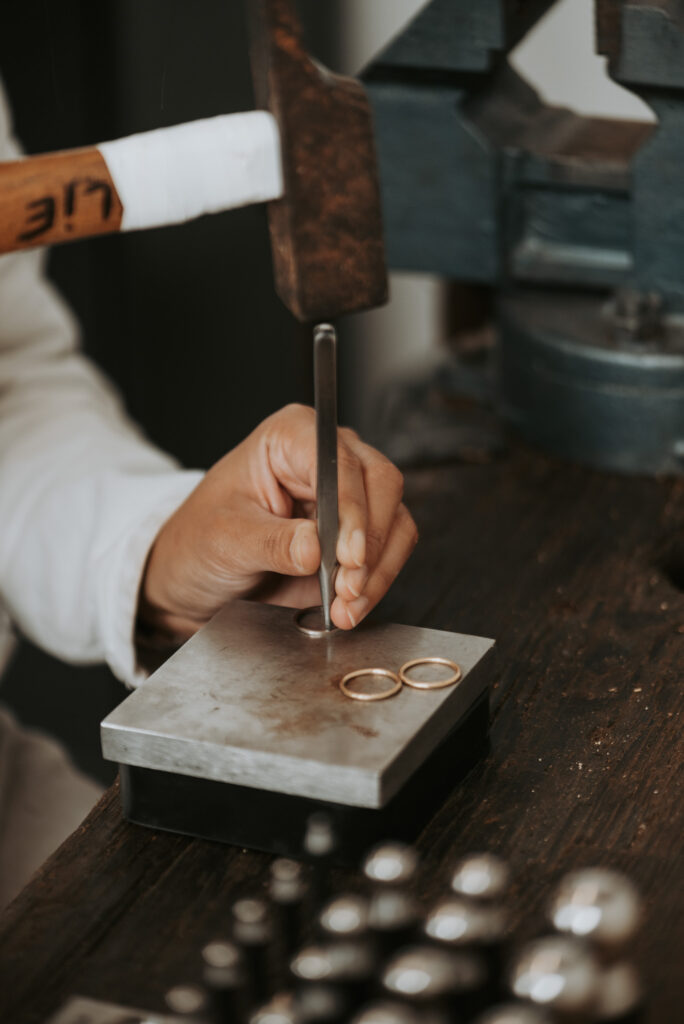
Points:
(327, 516)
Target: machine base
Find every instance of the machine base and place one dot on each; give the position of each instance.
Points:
(568, 385)
(275, 822)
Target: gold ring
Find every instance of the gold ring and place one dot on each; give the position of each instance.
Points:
(316, 632)
(438, 683)
(383, 695)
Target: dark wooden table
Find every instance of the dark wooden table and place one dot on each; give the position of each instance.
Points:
(579, 576)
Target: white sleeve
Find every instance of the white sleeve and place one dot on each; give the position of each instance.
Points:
(82, 493)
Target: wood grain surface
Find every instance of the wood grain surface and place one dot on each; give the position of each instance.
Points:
(56, 197)
(577, 574)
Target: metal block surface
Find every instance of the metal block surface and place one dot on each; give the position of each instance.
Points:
(250, 700)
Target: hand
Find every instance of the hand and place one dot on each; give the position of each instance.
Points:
(247, 530)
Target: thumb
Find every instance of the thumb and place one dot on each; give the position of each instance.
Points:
(286, 546)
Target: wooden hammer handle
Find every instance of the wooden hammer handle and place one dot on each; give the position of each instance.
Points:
(165, 176)
(58, 197)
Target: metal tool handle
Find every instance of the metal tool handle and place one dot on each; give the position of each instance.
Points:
(325, 390)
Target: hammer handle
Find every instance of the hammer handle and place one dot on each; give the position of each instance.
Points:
(166, 176)
(58, 197)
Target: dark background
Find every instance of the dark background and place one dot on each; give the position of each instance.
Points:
(184, 319)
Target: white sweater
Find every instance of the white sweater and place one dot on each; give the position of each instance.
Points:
(82, 492)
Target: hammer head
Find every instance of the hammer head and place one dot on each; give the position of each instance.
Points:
(326, 231)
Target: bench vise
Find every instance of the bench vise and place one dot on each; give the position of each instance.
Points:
(576, 222)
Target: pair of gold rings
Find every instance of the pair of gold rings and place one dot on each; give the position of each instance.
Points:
(398, 680)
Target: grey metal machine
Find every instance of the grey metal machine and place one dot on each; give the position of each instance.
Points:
(577, 222)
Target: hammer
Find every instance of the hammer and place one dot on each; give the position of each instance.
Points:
(309, 153)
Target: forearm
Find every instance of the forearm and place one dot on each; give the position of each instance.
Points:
(82, 496)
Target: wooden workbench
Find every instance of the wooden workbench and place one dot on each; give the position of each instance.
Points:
(578, 575)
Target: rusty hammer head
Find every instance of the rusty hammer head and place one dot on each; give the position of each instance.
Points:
(326, 231)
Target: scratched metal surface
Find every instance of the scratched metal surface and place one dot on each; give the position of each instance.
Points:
(251, 700)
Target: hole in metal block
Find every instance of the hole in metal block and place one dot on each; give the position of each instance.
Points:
(311, 622)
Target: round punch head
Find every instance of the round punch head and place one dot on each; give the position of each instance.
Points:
(481, 876)
(312, 963)
(251, 922)
(345, 917)
(288, 882)
(279, 1011)
(221, 955)
(223, 966)
(318, 1004)
(391, 911)
(424, 974)
(324, 331)
(458, 921)
(391, 863)
(319, 839)
(333, 963)
(597, 904)
(311, 622)
(187, 1000)
(556, 972)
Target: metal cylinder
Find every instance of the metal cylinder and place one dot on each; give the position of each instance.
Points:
(597, 904)
(393, 913)
(320, 844)
(320, 1004)
(571, 381)
(393, 918)
(349, 967)
(459, 923)
(481, 876)
(189, 1003)
(620, 998)
(288, 889)
(224, 976)
(253, 933)
(559, 974)
(456, 921)
(426, 977)
(345, 917)
(391, 864)
(280, 1010)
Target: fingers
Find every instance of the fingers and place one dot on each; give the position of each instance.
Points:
(245, 521)
(403, 535)
(376, 532)
(268, 543)
(384, 486)
(369, 486)
(291, 448)
(352, 504)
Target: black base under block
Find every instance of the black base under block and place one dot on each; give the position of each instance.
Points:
(275, 822)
